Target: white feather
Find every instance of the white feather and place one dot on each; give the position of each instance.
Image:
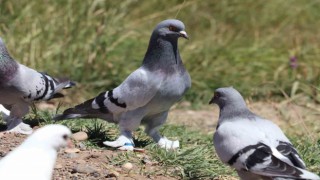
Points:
(35, 158)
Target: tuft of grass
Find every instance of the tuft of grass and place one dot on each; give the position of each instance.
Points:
(310, 152)
(194, 160)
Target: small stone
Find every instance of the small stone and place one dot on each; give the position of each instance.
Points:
(72, 150)
(114, 174)
(139, 155)
(71, 155)
(80, 136)
(127, 166)
(86, 169)
(95, 174)
(58, 166)
(146, 160)
(81, 161)
(81, 146)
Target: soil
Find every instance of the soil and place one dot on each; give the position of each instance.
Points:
(99, 163)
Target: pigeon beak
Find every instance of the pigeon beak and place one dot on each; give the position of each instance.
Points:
(69, 143)
(184, 34)
(211, 101)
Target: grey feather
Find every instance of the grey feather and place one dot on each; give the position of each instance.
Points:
(252, 145)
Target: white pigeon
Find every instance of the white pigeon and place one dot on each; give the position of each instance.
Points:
(147, 94)
(20, 86)
(255, 147)
(35, 158)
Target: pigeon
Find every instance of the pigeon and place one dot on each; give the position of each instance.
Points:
(147, 94)
(36, 156)
(20, 86)
(255, 147)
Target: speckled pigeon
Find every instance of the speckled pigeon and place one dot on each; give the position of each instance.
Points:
(147, 94)
(36, 156)
(255, 147)
(20, 86)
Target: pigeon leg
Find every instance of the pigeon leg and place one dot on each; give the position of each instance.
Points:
(14, 120)
(152, 129)
(128, 123)
(17, 126)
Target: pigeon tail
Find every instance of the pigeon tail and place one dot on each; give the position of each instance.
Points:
(83, 110)
(64, 85)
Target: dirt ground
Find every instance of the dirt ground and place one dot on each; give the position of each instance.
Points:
(99, 163)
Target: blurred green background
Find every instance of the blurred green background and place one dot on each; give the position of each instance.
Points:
(246, 44)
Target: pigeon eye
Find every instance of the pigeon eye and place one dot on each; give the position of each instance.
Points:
(172, 28)
(216, 95)
(65, 137)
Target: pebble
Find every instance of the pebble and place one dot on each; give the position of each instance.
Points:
(80, 136)
(127, 166)
(72, 150)
(58, 166)
(71, 155)
(96, 174)
(81, 161)
(147, 161)
(81, 146)
(86, 169)
(114, 174)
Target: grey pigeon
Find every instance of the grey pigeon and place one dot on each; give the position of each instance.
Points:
(147, 94)
(255, 147)
(20, 86)
(35, 157)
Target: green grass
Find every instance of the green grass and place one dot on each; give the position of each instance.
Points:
(246, 44)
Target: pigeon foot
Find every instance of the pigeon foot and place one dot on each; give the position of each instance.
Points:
(123, 142)
(25, 126)
(21, 128)
(168, 144)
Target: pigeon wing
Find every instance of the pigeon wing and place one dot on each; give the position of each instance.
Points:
(260, 159)
(35, 86)
(136, 91)
(287, 150)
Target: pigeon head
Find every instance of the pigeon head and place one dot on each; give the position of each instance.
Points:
(170, 29)
(227, 96)
(54, 136)
(163, 52)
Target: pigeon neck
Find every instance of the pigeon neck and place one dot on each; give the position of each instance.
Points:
(235, 110)
(8, 66)
(162, 54)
